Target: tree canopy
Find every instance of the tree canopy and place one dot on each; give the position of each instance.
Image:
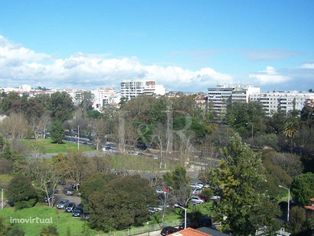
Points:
(244, 207)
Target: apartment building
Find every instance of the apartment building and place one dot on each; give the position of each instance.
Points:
(132, 88)
(219, 97)
(103, 97)
(284, 101)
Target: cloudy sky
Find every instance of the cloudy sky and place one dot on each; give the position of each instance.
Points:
(185, 45)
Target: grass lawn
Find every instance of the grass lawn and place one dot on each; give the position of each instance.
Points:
(205, 208)
(140, 163)
(46, 146)
(68, 225)
(63, 221)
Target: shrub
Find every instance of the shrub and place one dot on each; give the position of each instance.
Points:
(21, 192)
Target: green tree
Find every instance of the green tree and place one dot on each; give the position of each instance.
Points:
(15, 231)
(50, 230)
(57, 132)
(92, 184)
(61, 106)
(240, 181)
(297, 219)
(246, 118)
(3, 227)
(87, 102)
(179, 183)
(21, 192)
(121, 203)
(302, 188)
(11, 102)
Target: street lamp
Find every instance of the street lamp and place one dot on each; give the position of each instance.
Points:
(177, 205)
(288, 189)
(2, 205)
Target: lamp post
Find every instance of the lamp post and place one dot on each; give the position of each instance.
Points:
(2, 199)
(78, 138)
(288, 189)
(177, 205)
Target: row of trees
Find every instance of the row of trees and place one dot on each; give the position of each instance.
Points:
(291, 132)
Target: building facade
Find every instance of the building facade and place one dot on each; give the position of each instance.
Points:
(219, 97)
(133, 88)
(103, 97)
(286, 102)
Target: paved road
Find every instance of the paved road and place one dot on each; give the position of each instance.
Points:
(50, 155)
(154, 233)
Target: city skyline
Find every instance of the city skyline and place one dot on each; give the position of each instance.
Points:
(184, 45)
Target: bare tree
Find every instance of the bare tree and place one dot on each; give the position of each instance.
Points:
(98, 131)
(15, 126)
(74, 166)
(45, 177)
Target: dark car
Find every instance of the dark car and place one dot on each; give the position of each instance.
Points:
(70, 207)
(168, 230)
(62, 204)
(142, 146)
(77, 212)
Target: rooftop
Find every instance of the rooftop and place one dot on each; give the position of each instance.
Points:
(190, 232)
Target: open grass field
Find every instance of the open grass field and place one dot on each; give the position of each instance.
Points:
(64, 222)
(68, 225)
(46, 146)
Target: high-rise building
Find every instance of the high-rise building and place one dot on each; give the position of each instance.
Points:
(282, 101)
(132, 88)
(222, 95)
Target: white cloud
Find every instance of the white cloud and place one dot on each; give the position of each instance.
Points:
(308, 66)
(269, 76)
(22, 65)
(14, 52)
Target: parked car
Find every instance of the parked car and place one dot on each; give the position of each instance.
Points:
(196, 200)
(77, 212)
(215, 198)
(70, 207)
(197, 191)
(198, 185)
(154, 209)
(51, 198)
(110, 147)
(168, 230)
(69, 190)
(62, 204)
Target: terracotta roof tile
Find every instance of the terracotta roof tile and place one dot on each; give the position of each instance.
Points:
(190, 232)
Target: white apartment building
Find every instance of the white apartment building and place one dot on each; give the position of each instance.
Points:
(282, 101)
(132, 88)
(104, 97)
(77, 95)
(222, 95)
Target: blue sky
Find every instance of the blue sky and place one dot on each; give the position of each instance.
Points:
(186, 45)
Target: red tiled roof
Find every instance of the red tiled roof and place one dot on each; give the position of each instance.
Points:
(190, 232)
(309, 208)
